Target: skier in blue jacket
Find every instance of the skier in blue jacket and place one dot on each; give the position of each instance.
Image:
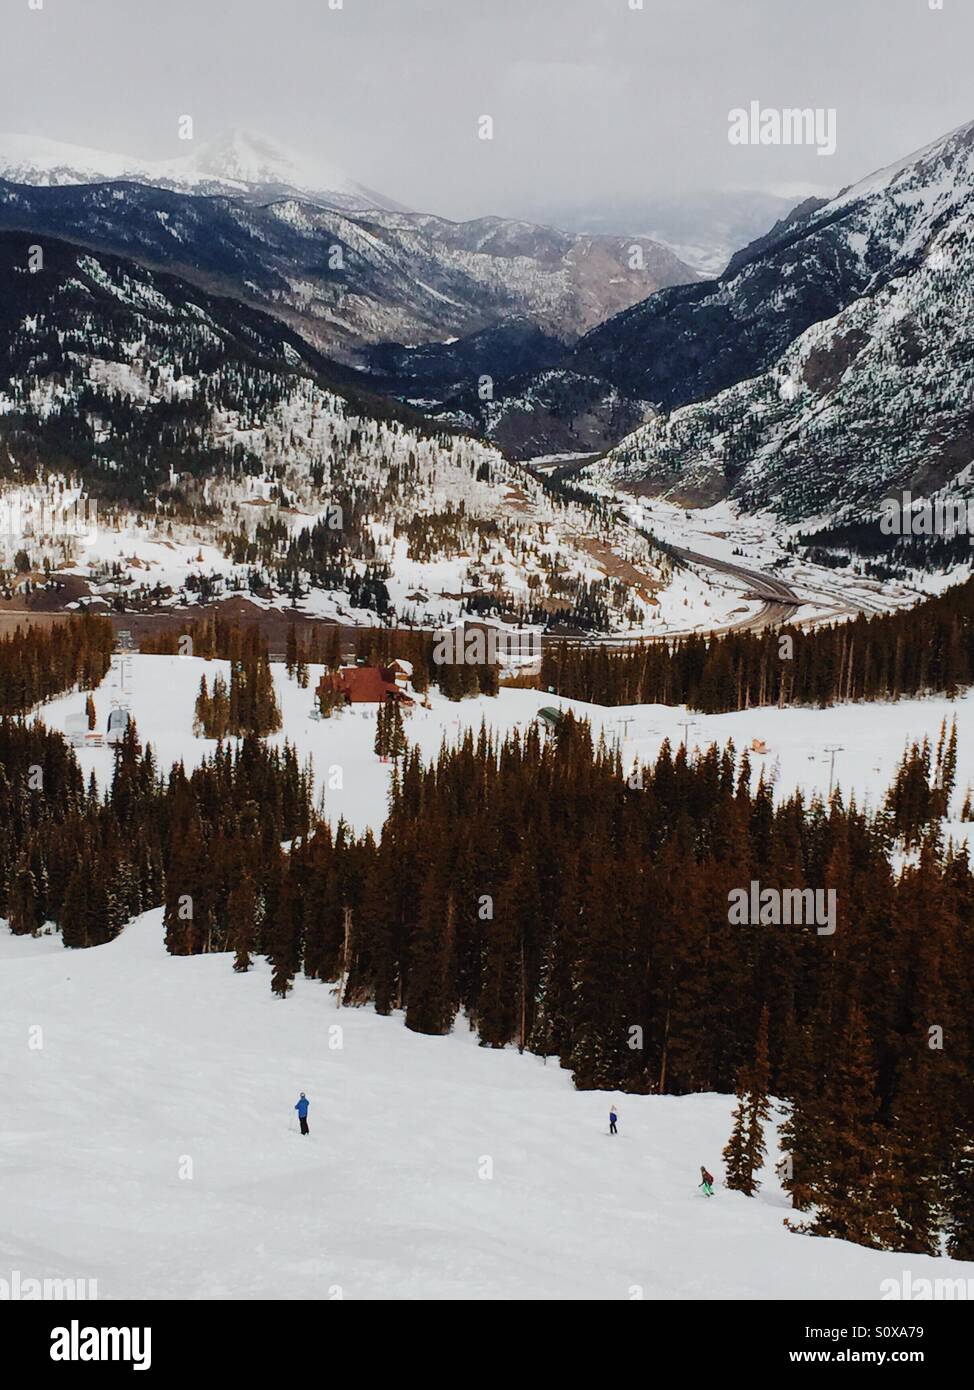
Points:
(302, 1109)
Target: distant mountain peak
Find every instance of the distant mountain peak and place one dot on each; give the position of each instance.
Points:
(836, 368)
(233, 161)
(254, 158)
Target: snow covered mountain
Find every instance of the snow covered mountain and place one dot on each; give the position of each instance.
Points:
(180, 408)
(241, 159)
(347, 280)
(869, 399)
(693, 342)
(234, 162)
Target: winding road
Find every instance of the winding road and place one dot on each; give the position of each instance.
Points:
(780, 600)
(779, 603)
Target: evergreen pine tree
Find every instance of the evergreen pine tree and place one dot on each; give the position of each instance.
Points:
(744, 1154)
(242, 923)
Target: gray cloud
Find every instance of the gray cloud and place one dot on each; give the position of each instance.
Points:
(591, 100)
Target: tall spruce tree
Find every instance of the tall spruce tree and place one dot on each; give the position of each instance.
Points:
(745, 1151)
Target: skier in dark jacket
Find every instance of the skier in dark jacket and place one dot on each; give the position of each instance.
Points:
(302, 1109)
(708, 1182)
(613, 1117)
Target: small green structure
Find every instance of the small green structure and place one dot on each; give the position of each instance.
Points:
(550, 717)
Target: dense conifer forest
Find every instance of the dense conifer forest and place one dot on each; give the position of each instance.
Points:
(580, 912)
(926, 649)
(37, 663)
(552, 899)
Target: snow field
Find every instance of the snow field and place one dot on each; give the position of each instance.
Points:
(150, 1144)
(873, 735)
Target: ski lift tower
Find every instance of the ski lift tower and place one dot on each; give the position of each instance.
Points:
(122, 668)
(686, 725)
(831, 749)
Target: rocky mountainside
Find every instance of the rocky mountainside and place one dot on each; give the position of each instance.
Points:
(210, 431)
(703, 228)
(126, 377)
(691, 343)
(872, 398)
(348, 278)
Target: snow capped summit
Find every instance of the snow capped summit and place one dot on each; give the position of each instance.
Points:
(847, 369)
(944, 166)
(235, 161)
(239, 156)
(251, 160)
(33, 159)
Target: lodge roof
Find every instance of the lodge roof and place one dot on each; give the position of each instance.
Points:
(364, 685)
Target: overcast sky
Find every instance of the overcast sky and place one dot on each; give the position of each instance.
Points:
(590, 100)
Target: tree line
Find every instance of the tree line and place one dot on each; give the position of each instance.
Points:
(89, 862)
(37, 663)
(314, 644)
(534, 889)
(921, 650)
(530, 888)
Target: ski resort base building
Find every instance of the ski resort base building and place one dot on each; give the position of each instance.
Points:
(366, 685)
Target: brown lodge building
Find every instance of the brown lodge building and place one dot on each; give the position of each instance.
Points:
(367, 685)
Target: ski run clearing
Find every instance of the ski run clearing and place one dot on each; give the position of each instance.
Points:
(150, 1142)
(161, 693)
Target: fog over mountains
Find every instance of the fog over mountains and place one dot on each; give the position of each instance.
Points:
(234, 162)
(831, 364)
(703, 228)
